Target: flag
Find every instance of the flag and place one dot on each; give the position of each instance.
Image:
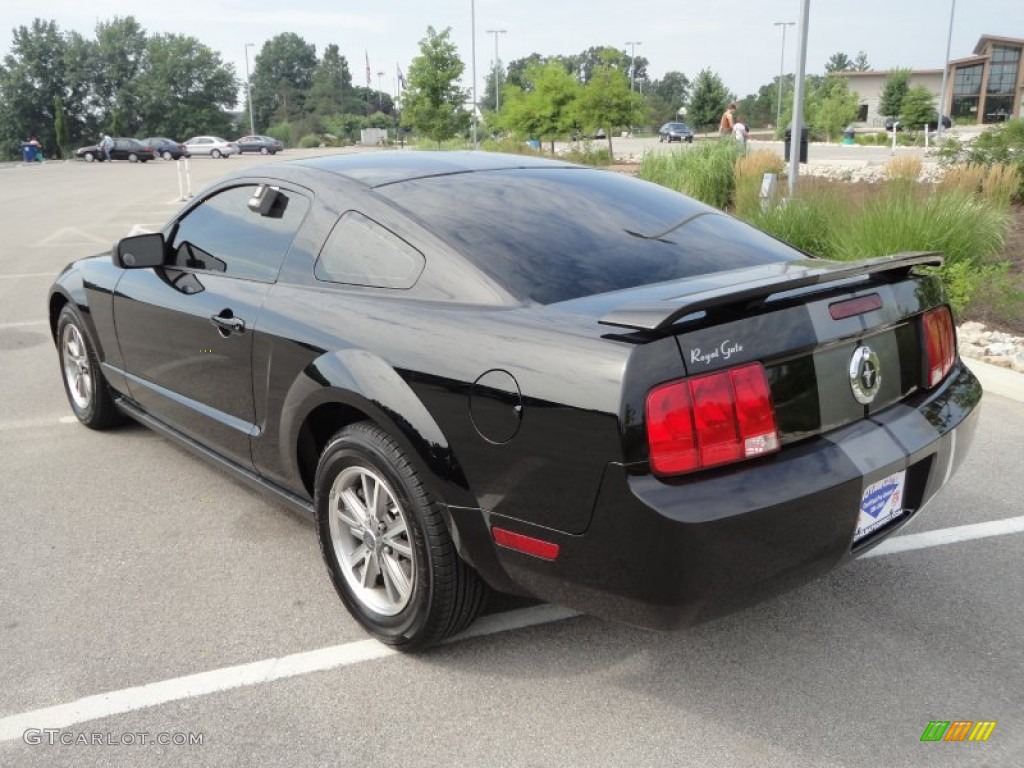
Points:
(401, 77)
(369, 81)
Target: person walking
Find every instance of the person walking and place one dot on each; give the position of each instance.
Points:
(106, 144)
(728, 121)
(740, 133)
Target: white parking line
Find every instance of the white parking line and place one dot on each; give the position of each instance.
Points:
(50, 275)
(947, 536)
(333, 657)
(24, 324)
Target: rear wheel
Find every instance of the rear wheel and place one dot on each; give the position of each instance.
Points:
(385, 544)
(215, 153)
(133, 158)
(166, 155)
(264, 151)
(88, 393)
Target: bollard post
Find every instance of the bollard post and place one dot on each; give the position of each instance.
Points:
(188, 180)
(181, 188)
(895, 127)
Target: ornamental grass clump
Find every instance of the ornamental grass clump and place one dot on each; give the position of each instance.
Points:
(903, 169)
(749, 171)
(703, 171)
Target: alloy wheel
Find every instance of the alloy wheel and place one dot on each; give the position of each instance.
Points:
(77, 371)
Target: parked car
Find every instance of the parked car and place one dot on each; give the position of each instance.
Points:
(213, 146)
(168, 149)
(266, 145)
(132, 150)
(476, 371)
(675, 132)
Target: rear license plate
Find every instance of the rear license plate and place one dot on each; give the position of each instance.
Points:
(881, 503)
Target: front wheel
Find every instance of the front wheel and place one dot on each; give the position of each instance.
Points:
(88, 393)
(385, 543)
(215, 154)
(133, 158)
(89, 157)
(166, 155)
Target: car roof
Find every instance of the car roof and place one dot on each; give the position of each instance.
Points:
(376, 169)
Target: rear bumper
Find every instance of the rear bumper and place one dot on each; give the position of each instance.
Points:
(664, 554)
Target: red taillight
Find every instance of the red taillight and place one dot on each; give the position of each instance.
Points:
(939, 343)
(546, 550)
(710, 420)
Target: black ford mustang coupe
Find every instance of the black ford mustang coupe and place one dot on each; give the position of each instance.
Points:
(476, 370)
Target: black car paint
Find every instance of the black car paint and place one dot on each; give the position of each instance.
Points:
(654, 552)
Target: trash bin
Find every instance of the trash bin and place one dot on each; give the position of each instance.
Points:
(803, 143)
(28, 152)
(849, 135)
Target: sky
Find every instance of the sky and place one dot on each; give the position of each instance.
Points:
(735, 38)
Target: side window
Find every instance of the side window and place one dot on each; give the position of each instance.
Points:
(221, 234)
(359, 251)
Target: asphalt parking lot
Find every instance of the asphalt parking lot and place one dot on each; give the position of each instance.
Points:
(145, 596)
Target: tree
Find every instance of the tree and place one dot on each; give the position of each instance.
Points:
(895, 89)
(184, 89)
(587, 62)
(860, 64)
(606, 101)
(331, 87)
(918, 108)
(434, 102)
(492, 81)
(665, 96)
(838, 62)
(832, 106)
(60, 128)
(708, 100)
(548, 110)
(282, 75)
(516, 72)
(118, 59)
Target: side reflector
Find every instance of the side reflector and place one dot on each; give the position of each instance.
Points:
(546, 550)
(711, 420)
(940, 350)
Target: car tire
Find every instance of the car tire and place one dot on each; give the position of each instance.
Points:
(166, 155)
(215, 153)
(395, 568)
(89, 157)
(87, 390)
(133, 158)
(264, 151)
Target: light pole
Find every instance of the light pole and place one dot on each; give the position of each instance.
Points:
(782, 68)
(248, 87)
(632, 62)
(380, 93)
(472, 29)
(497, 76)
(945, 72)
(797, 134)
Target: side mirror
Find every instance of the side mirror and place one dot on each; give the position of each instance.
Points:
(140, 251)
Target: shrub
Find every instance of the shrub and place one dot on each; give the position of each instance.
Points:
(703, 171)
(1003, 144)
(807, 222)
(282, 132)
(904, 168)
(309, 141)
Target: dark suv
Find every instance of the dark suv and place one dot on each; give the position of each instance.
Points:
(675, 132)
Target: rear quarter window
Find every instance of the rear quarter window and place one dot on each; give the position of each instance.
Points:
(359, 251)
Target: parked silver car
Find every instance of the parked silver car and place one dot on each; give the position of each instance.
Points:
(214, 146)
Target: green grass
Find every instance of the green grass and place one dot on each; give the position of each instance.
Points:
(703, 171)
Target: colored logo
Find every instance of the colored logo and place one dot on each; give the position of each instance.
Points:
(865, 374)
(958, 730)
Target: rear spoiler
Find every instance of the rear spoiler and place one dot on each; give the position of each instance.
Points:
(741, 286)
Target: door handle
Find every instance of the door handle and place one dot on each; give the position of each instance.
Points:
(227, 323)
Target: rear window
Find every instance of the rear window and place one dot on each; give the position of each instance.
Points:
(551, 235)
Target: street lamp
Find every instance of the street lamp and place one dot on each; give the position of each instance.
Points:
(796, 137)
(945, 72)
(248, 87)
(497, 75)
(632, 62)
(380, 93)
(782, 67)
